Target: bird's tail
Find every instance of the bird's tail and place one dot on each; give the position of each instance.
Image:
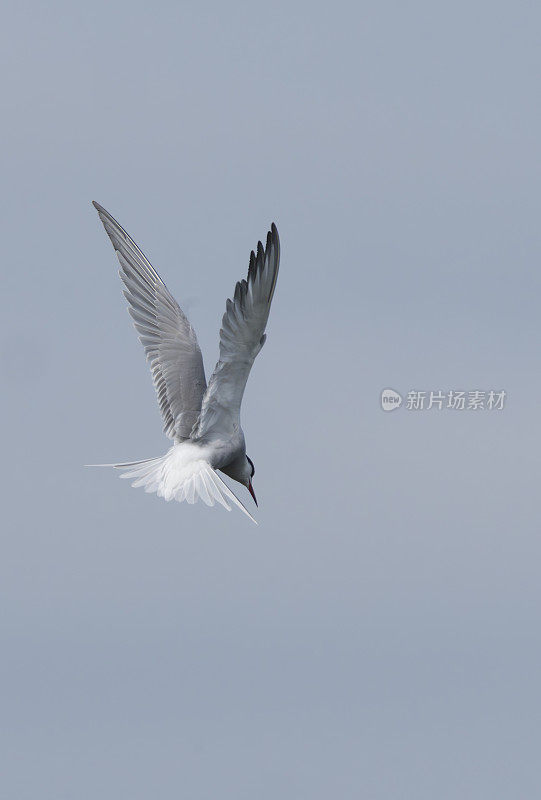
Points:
(174, 476)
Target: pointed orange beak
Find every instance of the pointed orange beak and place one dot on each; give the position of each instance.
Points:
(251, 490)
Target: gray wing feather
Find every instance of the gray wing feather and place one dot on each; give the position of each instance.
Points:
(168, 338)
(242, 336)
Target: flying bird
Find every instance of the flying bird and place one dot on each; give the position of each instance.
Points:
(203, 421)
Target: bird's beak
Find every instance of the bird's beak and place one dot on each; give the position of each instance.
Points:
(251, 490)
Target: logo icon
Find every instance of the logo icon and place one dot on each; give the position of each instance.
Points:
(390, 400)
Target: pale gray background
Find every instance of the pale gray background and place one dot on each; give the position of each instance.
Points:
(377, 636)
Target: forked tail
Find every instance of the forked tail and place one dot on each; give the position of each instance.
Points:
(174, 476)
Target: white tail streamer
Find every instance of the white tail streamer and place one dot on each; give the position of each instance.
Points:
(179, 476)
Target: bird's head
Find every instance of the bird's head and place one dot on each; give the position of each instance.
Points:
(250, 472)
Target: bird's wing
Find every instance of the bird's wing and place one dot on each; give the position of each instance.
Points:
(168, 338)
(242, 336)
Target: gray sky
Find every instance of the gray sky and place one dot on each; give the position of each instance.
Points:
(377, 635)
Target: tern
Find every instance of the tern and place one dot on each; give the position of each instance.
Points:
(203, 421)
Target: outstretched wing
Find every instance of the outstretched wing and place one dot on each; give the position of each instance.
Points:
(168, 338)
(242, 336)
